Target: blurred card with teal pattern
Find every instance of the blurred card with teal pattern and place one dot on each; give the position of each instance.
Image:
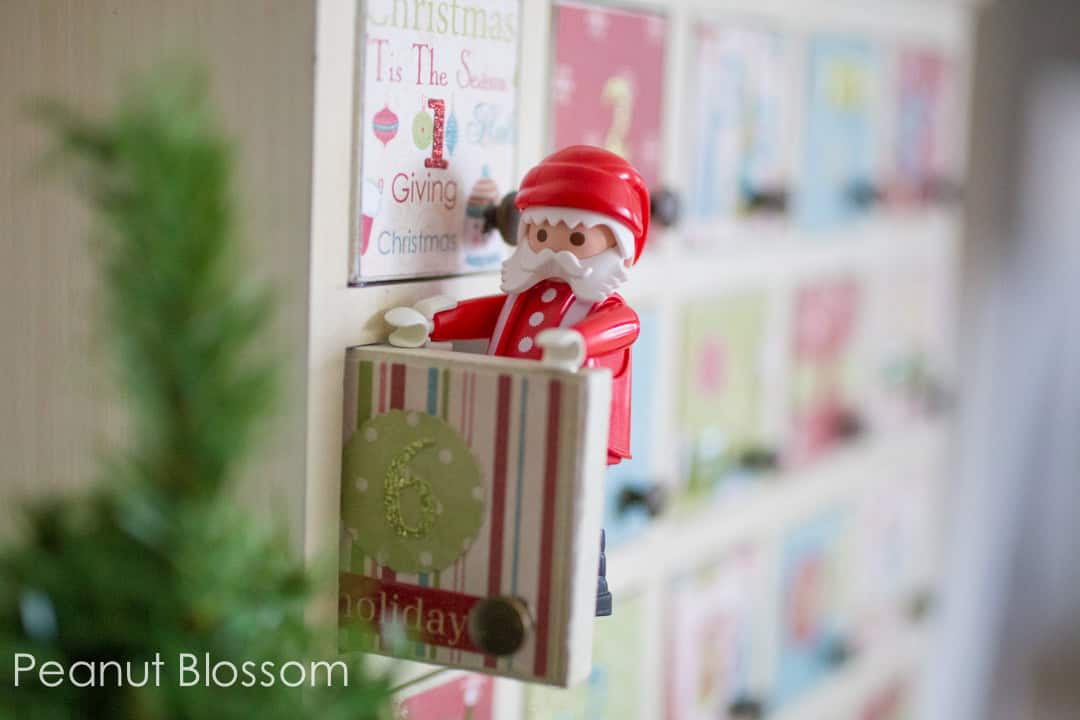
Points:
(814, 600)
(739, 118)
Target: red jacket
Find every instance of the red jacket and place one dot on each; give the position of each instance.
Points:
(511, 322)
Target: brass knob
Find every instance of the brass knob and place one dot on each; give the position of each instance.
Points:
(746, 708)
(839, 652)
(849, 425)
(665, 207)
(758, 459)
(651, 497)
(864, 194)
(499, 625)
(767, 201)
(504, 217)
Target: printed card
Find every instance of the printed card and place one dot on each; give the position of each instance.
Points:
(436, 134)
(711, 640)
(613, 688)
(721, 392)
(814, 602)
(826, 318)
(469, 697)
(891, 702)
(909, 342)
(840, 142)
(887, 531)
(465, 480)
(607, 83)
(920, 84)
(739, 122)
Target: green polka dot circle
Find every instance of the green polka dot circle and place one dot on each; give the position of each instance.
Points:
(412, 492)
(422, 128)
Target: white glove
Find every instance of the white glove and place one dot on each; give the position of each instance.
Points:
(412, 326)
(436, 304)
(563, 348)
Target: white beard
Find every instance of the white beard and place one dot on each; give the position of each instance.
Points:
(592, 279)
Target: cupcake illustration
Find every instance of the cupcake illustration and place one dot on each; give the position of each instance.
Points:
(485, 193)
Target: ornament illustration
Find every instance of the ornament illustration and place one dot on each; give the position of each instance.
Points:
(451, 132)
(385, 125)
(422, 128)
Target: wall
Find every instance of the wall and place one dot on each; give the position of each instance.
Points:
(57, 408)
(1011, 609)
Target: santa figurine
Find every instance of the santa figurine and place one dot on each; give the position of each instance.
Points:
(584, 218)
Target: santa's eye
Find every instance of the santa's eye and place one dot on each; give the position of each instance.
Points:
(541, 235)
(577, 238)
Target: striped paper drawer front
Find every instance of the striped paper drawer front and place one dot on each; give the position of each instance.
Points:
(520, 518)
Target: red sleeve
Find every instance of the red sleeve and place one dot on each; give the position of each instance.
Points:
(612, 326)
(469, 320)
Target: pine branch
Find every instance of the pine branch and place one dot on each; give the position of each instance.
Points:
(156, 557)
(183, 314)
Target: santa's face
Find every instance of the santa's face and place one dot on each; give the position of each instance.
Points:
(592, 272)
(581, 241)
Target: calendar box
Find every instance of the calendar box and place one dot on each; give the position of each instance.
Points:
(919, 152)
(841, 153)
(466, 481)
(607, 82)
(721, 390)
(826, 373)
(435, 134)
(814, 602)
(737, 144)
(712, 637)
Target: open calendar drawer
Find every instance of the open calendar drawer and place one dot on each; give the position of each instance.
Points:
(471, 498)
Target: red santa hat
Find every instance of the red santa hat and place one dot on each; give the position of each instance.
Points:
(590, 186)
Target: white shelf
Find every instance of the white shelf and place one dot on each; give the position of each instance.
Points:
(685, 539)
(760, 250)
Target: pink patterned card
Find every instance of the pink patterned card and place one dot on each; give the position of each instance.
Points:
(470, 697)
(918, 152)
(607, 85)
(825, 326)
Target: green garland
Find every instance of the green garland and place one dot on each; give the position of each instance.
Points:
(156, 559)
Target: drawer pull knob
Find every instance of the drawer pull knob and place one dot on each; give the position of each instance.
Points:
(498, 625)
(652, 497)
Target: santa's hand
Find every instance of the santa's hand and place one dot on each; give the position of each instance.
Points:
(414, 325)
(411, 328)
(563, 348)
(431, 306)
